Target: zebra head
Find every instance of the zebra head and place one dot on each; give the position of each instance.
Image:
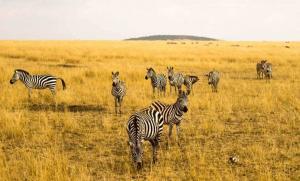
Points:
(150, 73)
(17, 75)
(182, 101)
(115, 78)
(170, 73)
(137, 153)
(211, 76)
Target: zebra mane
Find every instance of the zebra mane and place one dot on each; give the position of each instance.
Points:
(151, 69)
(23, 71)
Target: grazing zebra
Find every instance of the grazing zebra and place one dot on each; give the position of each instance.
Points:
(118, 90)
(213, 80)
(172, 114)
(175, 79)
(157, 81)
(267, 70)
(189, 80)
(36, 81)
(146, 124)
(259, 70)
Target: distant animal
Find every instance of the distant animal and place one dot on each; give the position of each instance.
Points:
(267, 70)
(172, 113)
(259, 69)
(158, 81)
(213, 80)
(189, 80)
(118, 90)
(233, 159)
(176, 80)
(36, 81)
(146, 124)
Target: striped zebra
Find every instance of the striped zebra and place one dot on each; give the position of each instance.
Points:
(118, 90)
(267, 70)
(213, 80)
(175, 79)
(172, 114)
(36, 81)
(259, 70)
(157, 81)
(189, 80)
(146, 124)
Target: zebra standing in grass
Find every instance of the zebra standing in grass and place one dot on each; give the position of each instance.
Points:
(172, 114)
(175, 79)
(36, 81)
(259, 70)
(267, 70)
(118, 91)
(189, 80)
(157, 81)
(213, 80)
(146, 124)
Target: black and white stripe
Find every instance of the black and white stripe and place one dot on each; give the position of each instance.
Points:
(259, 69)
(189, 80)
(173, 113)
(158, 81)
(118, 91)
(146, 124)
(36, 81)
(175, 79)
(213, 80)
(267, 69)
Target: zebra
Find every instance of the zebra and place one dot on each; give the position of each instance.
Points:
(118, 90)
(172, 114)
(157, 81)
(146, 124)
(213, 80)
(36, 81)
(259, 69)
(175, 79)
(189, 80)
(267, 70)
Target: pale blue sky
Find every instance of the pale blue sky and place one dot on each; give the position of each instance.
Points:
(120, 19)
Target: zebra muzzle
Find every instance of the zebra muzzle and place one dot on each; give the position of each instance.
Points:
(185, 109)
(11, 82)
(139, 165)
(146, 77)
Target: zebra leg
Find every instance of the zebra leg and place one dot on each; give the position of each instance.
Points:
(154, 144)
(116, 105)
(178, 133)
(170, 133)
(120, 105)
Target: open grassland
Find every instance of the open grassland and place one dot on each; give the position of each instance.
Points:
(82, 139)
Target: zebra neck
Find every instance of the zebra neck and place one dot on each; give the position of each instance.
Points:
(153, 79)
(178, 112)
(25, 78)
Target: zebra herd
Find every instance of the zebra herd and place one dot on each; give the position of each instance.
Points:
(146, 124)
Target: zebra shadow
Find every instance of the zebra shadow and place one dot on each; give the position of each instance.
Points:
(65, 108)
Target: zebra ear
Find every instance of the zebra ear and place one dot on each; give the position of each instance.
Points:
(112, 73)
(117, 73)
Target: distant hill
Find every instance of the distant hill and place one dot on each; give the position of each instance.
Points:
(173, 37)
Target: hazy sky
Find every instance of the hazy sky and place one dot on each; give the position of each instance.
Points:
(120, 19)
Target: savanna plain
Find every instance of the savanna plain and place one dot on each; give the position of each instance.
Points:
(77, 135)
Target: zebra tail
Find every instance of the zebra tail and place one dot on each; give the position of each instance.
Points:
(63, 83)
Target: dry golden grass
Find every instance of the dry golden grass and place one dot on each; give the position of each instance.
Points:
(82, 139)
